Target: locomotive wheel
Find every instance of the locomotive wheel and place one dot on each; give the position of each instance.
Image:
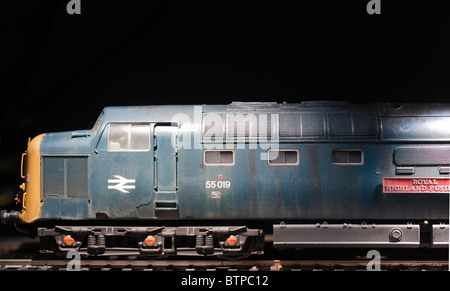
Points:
(249, 247)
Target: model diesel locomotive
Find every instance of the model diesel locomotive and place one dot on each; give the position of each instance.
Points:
(225, 180)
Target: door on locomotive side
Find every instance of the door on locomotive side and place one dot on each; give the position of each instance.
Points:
(165, 170)
(122, 169)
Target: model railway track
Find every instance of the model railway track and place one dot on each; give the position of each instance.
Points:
(216, 265)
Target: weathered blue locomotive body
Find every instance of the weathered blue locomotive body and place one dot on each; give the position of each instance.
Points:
(318, 173)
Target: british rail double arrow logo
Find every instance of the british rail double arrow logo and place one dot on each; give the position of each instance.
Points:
(121, 184)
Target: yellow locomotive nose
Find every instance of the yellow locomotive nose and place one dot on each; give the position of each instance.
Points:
(31, 172)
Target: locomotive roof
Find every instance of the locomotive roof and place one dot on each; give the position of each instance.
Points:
(116, 113)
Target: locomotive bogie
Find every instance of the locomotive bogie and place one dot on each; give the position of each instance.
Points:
(153, 241)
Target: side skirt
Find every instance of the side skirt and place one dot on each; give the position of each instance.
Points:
(406, 235)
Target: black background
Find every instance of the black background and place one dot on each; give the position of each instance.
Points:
(57, 71)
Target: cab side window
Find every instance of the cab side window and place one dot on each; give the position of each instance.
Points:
(125, 137)
(129, 137)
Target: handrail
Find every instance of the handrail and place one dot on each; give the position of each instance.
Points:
(21, 165)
